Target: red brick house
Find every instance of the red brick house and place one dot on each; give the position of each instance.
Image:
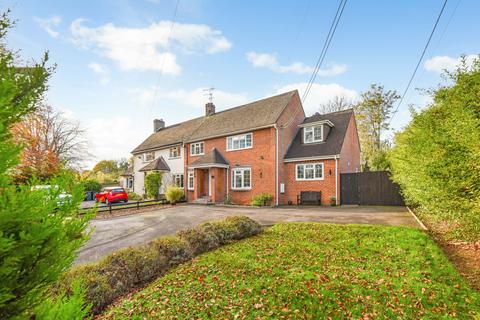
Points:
(267, 146)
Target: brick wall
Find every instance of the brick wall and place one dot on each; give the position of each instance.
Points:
(350, 153)
(261, 158)
(288, 123)
(294, 187)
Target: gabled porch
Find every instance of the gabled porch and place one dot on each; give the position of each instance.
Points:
(210, 178)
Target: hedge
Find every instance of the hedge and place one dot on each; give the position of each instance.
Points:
(131, 268)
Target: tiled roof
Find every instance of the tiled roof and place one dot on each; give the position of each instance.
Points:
(333, 141)
(213, 157)
(158, 164)
(261, 113)
(128, 172)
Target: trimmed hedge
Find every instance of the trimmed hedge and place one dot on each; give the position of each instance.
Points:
(131, 268)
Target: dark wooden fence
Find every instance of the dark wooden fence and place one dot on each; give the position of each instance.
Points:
(369, 188)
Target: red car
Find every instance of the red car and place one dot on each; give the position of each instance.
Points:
(112, 195)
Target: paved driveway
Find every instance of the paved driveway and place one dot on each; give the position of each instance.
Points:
(111, 235)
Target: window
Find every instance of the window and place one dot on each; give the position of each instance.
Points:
(175, 152)
(178, 180)
(241, 178)
(243, 141)
(196, 149)
(148, 156)
(313, 134)
(130, 183)
(309, 171)
(190, 180)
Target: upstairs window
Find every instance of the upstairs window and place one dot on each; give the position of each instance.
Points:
(196, 149)
(313, 134)
(242, 178)
(309, 171)
(174, 152)
(148, 156)
(242, 141)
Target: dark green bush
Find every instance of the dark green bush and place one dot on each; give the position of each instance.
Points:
(153, 182)
(262, 199)
(127, 269)
(92, 185)
(133, 196)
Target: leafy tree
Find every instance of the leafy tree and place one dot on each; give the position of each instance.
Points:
(373, 115)
(436, 158)
(39, 234)
(106, 166)
(153, 182)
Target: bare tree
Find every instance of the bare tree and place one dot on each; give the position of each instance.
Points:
(336, 104)
(50, 141)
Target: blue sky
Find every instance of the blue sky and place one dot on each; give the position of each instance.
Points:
(119, 66)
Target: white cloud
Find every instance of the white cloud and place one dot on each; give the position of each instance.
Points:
(194, 98)
(268, 60)
(440, 63)
(49, 24)
(320, 94)
(102, 71)
(152, 48)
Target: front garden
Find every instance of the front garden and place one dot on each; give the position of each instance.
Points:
(313, 271)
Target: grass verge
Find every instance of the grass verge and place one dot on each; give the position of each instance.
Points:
(312, 271)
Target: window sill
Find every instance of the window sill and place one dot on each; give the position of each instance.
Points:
(173, 158)
(197, 155)
(230, 150)
(241, 189)
(316, 179)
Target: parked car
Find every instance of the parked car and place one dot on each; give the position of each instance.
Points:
(62, 197)
(112, 195)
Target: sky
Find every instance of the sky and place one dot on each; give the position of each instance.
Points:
(120, 64)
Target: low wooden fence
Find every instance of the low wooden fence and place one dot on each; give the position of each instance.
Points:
(123, 206)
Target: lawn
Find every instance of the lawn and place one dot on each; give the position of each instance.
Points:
(313, 271)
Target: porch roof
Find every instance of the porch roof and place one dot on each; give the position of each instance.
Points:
(158, 164)
(211, 159)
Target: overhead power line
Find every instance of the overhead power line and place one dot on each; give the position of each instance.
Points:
(419, 61)
(155, 90)
(326, 45)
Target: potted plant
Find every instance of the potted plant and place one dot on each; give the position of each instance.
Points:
(333, 201)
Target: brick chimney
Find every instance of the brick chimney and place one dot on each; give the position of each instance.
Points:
(158, 124)
(209, 109)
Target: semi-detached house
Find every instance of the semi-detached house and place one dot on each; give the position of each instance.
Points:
(267, 146)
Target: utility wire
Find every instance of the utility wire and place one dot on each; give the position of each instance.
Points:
(419, 61)
(328, 40)
(155, 90)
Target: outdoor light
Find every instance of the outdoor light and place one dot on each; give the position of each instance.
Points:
(330, 172)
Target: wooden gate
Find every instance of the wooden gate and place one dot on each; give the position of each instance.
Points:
(369, 188)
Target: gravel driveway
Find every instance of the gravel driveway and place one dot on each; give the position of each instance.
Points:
(113, 234)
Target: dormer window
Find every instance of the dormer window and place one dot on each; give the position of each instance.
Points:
(313, 134)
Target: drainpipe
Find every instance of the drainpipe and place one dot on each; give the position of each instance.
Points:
(276, 164)
(336, 180)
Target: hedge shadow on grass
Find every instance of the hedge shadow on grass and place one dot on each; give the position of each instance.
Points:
(132, 268)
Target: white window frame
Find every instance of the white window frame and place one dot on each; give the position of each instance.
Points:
(179, 154)
(191, 175)
(144, 156)
(311, 166)
(201, 148)
(312, 130)
(242, 171)
(239, 138)
(182, 179)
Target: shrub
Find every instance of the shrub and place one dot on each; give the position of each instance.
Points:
(262, 199)
(63, 307)
(153, 182)
(174, 194)
(134, 196)
(130, 268)
(333, 201)
(92, 185)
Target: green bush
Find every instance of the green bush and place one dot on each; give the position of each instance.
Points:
(436, 157)
(174, 194)
(92, 185)
(39, 235)
(131, 268)
(134, 196)
(153, 182)
(63, 307)
(262, 199)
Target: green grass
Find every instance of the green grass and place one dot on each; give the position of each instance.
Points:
(312, 271)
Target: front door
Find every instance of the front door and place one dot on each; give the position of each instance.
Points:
(206, 183)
